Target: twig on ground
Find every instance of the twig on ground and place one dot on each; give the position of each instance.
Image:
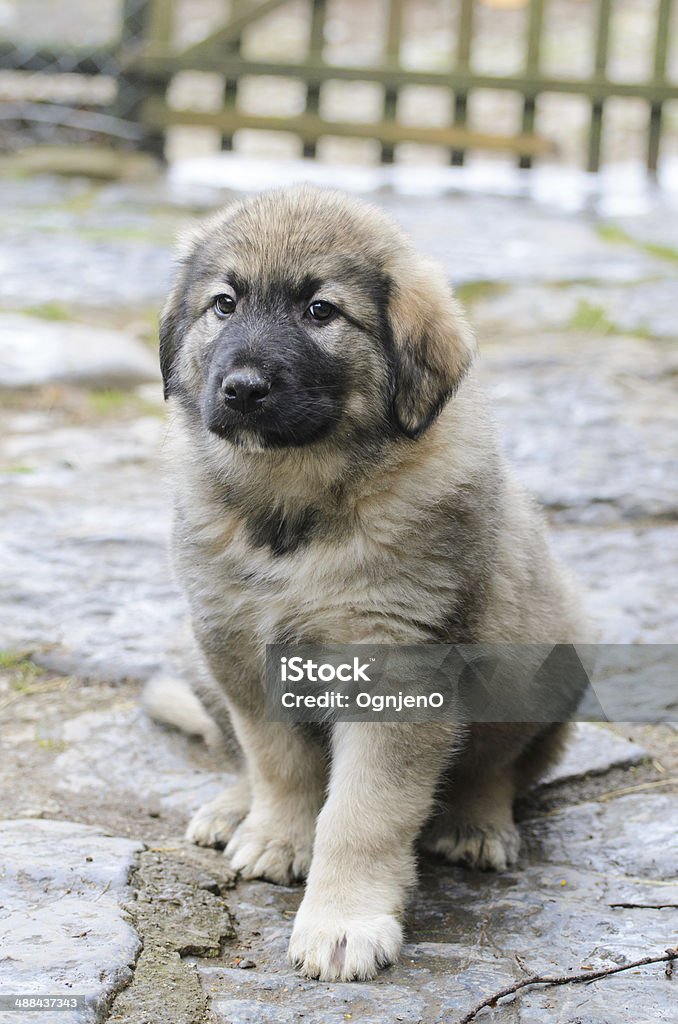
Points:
(612, 793)
(46, 686)
(644, 906)
(565, 979)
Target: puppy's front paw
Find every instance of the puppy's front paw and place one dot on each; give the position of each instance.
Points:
(275, 847)
(343, 948)
(490, 849)
(216, 821)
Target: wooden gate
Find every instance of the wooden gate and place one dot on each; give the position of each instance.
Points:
(147, 57)
(156, 60)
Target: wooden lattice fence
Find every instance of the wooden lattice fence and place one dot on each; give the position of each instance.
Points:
(147, 58)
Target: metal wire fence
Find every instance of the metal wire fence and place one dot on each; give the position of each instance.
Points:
(61, 79)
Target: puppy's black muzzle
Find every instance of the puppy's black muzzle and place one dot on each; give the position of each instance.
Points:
(244, 390)
(268, 380)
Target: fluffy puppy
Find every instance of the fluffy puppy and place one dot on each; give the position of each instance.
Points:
(338, 480)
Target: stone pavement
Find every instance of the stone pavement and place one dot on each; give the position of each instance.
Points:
(99, 895)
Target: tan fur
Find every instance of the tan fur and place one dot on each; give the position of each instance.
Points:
(421, 535)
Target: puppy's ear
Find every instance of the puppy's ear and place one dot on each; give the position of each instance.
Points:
(434, 344)
(172, 324)
(174, 317)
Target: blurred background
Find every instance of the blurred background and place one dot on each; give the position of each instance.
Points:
(424, 83)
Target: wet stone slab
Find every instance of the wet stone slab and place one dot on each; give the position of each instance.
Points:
(595, 887)
(645, 308)
(496, 238)
(87, 273)
(592, 750)
(35, 352)
(114, 240)
(63, 929)
(154, 767)
(645, 558)
(84, 542)
(157, 767)
(588, 422)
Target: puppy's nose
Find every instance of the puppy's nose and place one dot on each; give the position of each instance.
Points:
(244, 389)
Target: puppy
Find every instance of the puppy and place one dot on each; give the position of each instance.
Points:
(338, 480)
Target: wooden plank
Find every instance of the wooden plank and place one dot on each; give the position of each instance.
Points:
(463, 63)
(311, 127)
(392, 53)
(230, 94)
(394, 30)
(231, 32)
(316, 43)
(532, 62)
(89, 62)
(160, 23)
(89, 120)
(600, 68)
(661, 44)
(662, 36)
(597, 87)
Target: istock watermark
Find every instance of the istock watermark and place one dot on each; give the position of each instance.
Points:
(472, 682)
(296, 669)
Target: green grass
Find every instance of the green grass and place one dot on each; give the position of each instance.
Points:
(617, 236)
(108, 401)
(594, 320)
(12, 659)
(53, 746)
(113, 402)
(614, 234)
(49, 311)
(662, 252)
(23, 669)
(471, 291)
(149, 332)
(156, 236)
(150, 408)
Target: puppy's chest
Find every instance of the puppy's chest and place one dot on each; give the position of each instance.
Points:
(269, 571)
(294, 579)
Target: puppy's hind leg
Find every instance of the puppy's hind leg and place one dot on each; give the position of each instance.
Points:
(215, 822)
(474, 826)
(474, 822)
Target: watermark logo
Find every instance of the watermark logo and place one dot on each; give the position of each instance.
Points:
(472, 683)
(297, 669)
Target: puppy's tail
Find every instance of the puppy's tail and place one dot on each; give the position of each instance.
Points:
(171, 701)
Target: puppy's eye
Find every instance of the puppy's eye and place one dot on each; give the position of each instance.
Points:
(224, 305)
(322, 311)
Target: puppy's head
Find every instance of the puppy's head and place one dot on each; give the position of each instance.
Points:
(302, 315)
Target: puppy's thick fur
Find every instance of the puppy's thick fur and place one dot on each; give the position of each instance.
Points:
(361, 497)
